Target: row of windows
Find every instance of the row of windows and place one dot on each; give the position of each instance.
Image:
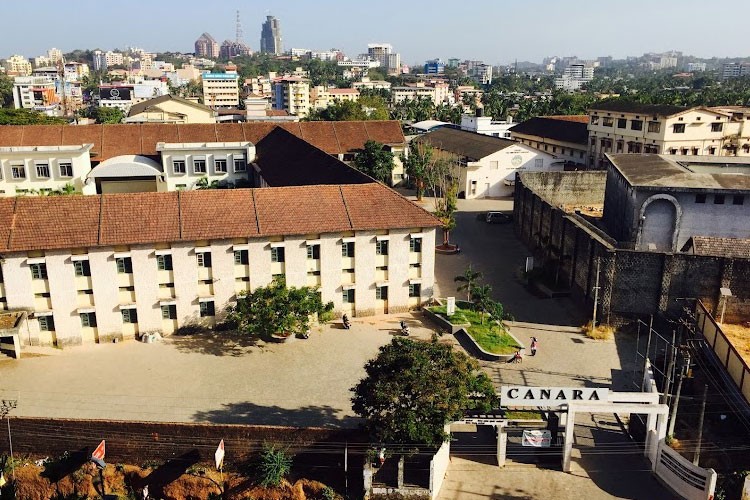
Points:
(164, 262)
(88, 319)
(199, 166)
(381, 293)
(42, 171)
(720, 199)
(653, 126)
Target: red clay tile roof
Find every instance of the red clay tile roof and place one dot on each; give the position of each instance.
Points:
(571, 118)
(140, 139)
(61, 222)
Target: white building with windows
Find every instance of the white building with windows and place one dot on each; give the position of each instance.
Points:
(486, 166)
(627, 127)
(89, 269)
(221, 90)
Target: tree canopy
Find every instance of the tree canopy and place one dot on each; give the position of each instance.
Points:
(27, 117)
(376, 161)
(104, 114)
(277, 309)
(414, 388)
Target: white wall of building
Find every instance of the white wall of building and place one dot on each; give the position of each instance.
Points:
(66, 302)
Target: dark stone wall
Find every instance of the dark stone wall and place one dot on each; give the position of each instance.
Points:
(632, 283)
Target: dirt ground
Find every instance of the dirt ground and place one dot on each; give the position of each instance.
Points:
(739, 336)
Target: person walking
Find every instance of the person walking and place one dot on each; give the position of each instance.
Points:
(534, 345)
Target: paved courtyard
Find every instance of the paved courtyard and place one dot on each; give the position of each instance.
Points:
(197, 379)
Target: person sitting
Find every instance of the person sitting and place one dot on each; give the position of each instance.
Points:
(517, 357)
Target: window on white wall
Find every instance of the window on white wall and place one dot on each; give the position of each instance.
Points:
(66, 169)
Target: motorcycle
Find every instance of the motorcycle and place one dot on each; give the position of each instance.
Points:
(346, 322)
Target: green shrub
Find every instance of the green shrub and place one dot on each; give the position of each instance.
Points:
(275, 464)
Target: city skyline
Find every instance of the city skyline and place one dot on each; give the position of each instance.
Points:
(492, 33)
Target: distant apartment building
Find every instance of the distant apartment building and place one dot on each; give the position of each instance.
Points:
(104, 60)
(386, 58)
(17, 65)
(35, 92)
(434, 67)
(437, 92)
(291, 94)
(735, 70)
(626, 127)
(170, 109)
(221, 90)
(366, 83)
(206, 46)
(484, 74)
(486, 125)
(270, 37)
(574, 77)
(230, 49)
(322, 96)
(696, 66)
(359, 64)
(123, 96)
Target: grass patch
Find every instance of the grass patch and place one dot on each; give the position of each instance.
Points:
(490, 337)
(601, 332)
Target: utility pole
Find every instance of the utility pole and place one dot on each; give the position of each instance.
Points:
(6, 406)
(697, 453)
(668, 377)
(684, 366)
(596, 294)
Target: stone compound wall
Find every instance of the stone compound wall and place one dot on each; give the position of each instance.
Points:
(633, 283)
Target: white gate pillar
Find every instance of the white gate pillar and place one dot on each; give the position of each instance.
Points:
(568, 444)
(502, 444)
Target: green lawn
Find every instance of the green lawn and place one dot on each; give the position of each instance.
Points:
(490, 337)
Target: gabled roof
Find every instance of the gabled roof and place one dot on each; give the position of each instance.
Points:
(140, 139)
(720, 247)
(143, 106)
(625, 106)
(554, 128)
(286, 160)
(62, 222)
(460, 142)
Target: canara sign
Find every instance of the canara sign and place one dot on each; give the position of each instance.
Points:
(518, 395)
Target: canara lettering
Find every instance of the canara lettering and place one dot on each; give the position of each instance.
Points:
(557, 394)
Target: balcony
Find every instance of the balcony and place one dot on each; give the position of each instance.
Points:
(164, 276)
(126, 297)
(241, 285)
(381, 260)
(313, 265)
(241, 271)
(125, 279)
(40, 286)
(166, 292)
(42, 303)
(277, 268)
(205, 289)
(415, 272)
(83, 283)
(204, 273)
(347, 278)
(415, 257)
(85, 300)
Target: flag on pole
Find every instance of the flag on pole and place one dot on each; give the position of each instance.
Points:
(99, 451)
(2, 480)
(219, 455)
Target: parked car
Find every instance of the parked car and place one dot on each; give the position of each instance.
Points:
(497, 218)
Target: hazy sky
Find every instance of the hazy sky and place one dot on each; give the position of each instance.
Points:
(495, 31)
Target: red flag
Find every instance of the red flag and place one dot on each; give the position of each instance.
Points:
(99, 451)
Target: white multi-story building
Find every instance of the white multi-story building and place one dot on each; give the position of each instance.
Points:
(90, 269)
(221, 90)
(366, 83)
(362, 64)
(574, 77)
(696, 66)
(623, 127)
(35, 92)
(291, 94)
(485, 125)
(321, 96)
(437, 92)
(17, 65)
(484, 74)
(92, 159)
(735, 70)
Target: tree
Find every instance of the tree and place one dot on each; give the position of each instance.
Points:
(469, 279)
(275, 464)
(204, 183)
(481, 295)
(376, 161)
(416, 164)
(497, 314)
(276, 309)
(105, 115)
(444, 186)
(413, 389)
(27, 117)
(6, 91)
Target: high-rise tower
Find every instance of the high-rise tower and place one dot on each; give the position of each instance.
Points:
(270, 37)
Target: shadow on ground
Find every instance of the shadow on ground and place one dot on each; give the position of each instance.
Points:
(216, 343)
(253, 414)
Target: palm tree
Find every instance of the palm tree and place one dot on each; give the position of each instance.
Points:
(481, 296)
(468, 281)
